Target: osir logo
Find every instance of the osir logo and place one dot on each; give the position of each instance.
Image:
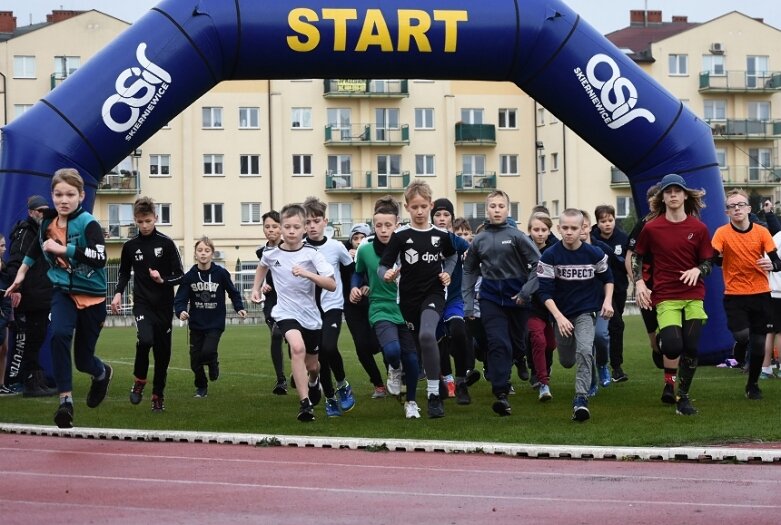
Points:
(614, 97)
(136, 87)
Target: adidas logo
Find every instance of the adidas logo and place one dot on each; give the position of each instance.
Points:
(431, 305)
(276, 264)
(410, 241)
(334, 325)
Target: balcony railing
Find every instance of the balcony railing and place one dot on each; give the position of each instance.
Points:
(368, 182)
(115, 232)
(740, 81)
(366, 135)
(123, 183)
(739, 176)
(745, 129)
(618, 178)
(475, 182)
(475, 134)
(362, 87)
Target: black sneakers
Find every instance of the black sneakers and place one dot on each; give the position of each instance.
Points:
(472, 377)
(436, 408)
(306, 411)
(158, 404)
(462, 394)
(99, 388)
(683, 407)
(753, 392)
(668, 394)
(580, 411)
(315, 393)
(280, 389)
(501, 406)
(137, 391)
(35, 386)
(63, 417)
(618, 375)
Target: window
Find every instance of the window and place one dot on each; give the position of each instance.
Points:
(339, 120)
(721, 157)
(212, 213)
(541, 163)
(474, 210)
(387, 120)
(159, 165)
(471, 165)
(554, 208)
(340, 171)
(678, 65)
(715, 110)
(120, 218)
(759, 164)
(508, 165)
(65, 66)
(163, 211)
(554, 162)
(540, 116)
(758, 111)
(211, 117)
(302, 165)
(212, 165)
(713, 64)
(623, 207)
(387, 166)
(424, 118)
(756, 71)
(250, 213)
(250, 165)
(301, 118)
(249, 118)
(424, 166)
(507, 118)
(472, 116)
(19, 109)
(340, 216)
(24, 66)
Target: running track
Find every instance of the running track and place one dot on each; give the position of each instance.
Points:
(72, 480)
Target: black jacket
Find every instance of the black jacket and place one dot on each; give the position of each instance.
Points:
(36, 288)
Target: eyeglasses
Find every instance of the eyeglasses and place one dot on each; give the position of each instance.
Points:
(737, 206)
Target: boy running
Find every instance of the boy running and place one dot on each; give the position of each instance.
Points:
(576, 285)
(680, 245)
(157, 269)
(740, 248)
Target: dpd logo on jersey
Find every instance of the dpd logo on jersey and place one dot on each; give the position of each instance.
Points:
(411, 256)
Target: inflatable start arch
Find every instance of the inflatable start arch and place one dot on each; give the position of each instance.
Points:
(182, 48)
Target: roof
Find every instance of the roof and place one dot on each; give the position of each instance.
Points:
(23, 30)
(636, 40)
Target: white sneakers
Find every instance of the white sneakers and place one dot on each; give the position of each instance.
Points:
(394, 381)
(411, 410)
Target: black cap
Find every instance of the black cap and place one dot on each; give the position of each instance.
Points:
(442, 204)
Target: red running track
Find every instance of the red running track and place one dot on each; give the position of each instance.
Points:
(67, 480)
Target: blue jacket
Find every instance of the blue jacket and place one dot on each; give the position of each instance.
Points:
(82, 269)
(202, 294)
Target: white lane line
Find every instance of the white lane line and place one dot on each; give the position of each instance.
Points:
(587, 476)
(385, 493)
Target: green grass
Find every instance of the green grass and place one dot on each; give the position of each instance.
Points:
(241, 401)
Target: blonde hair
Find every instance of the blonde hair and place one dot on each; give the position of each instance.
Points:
(542, 217)
(204, 240)
(69, 176)
(417, 187)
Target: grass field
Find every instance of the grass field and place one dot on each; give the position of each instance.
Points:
(241, 401)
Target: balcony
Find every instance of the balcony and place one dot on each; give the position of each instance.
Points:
(618, 178)
(751, 176)
(475, 182)
(118, 232)
(369, 182)
(365, 88)
(745, 129)
(123, 183)
(366, 135)
(740, 82)
(475, 134)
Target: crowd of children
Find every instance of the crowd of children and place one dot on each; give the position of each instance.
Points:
(419, 295)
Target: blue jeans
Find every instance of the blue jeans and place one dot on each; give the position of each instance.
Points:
(87, 324)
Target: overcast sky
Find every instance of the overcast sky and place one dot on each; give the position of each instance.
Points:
(604, 15)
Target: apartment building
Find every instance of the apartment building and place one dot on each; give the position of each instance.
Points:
(246, 147)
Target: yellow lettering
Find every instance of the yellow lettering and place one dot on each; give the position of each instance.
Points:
(340, 18)
(297, 20)
(451, 20)
(374, 32)
(408, 31)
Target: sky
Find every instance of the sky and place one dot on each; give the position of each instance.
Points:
(604, 15)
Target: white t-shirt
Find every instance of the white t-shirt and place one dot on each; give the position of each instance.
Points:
(296, 295)
(336, 254)
(775, 277)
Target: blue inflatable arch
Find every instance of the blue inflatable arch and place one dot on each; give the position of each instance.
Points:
(182, 48)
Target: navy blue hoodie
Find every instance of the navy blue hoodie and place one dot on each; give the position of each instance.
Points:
(204, 291)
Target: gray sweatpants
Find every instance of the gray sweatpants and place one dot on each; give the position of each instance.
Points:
(576, 350)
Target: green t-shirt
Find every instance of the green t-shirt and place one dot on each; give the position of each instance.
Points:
(382, 295)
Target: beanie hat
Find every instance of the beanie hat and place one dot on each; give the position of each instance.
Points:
(362, 228)
(35, 202)
(442, 204)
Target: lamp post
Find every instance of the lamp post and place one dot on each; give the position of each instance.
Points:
(135, 159)
(540, 168)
